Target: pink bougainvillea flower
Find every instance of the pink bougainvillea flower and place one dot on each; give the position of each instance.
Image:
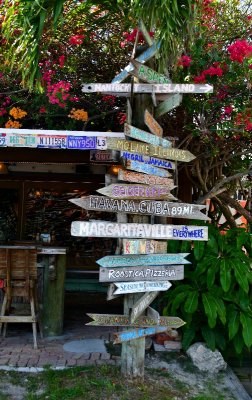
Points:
(185, 61)
(62, 61)
(76, 40)
(42, 110)
(228, 110)
(239, 50)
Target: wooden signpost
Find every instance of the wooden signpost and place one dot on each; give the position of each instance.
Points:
(131, 260)
(149, 150)
(142, 321)
(138, 333)
(146, 169)
(144, 246)
(131, 230)
(152, 124)
(135, 191)
(147, 88)
(146, 179)
(168, 104)
(143, 273)
(140, 306)
(143, 136)
(142, 207)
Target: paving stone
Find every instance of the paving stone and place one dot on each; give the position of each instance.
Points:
(105, 356)
(71, 363)
(95, 356)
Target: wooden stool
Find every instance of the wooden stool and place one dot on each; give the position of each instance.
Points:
(18, 268)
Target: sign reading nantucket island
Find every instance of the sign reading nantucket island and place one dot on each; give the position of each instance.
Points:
(147, 231)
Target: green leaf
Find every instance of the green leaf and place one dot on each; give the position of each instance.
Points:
(177, 301)
(233, 323)
(211, 272)
(191, 303)
(220, 340)
(238, 342)
(241, 272)
(209, 337)
(246, 322)
(225, 274)
(220, 307)
(198, 250)
(210, 309)
(188, 336)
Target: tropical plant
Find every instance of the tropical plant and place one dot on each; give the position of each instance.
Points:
(215, 297)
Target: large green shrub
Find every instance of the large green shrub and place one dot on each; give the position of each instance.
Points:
(215, 296)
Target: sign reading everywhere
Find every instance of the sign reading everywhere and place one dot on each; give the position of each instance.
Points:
(146, 169)
(143, 136)
(141, 286)
(144, 246)
(142, 321)
(149, 150)
(142, 207)
(152, 124)
(133, 274)
(134, 260)
(147, 88)
(134, 191)
(138, 333)
(135, 177)
(131, 230)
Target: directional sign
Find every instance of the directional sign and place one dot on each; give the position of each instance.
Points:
(149, 150)
(145, 56)
(144, 246)
(143, 207)
(143, 136)
(134, 191)
(138, 333)
(168, 104)
(133, 274)
(110, 292)
(145, 231)
(153, 314)
(133, 260)
(124, 320)
(147, 88)
(141, 286)
(146, 179)
(146, 169)
(152, 124)
(156, 162)
(141, 304)
(147, 74)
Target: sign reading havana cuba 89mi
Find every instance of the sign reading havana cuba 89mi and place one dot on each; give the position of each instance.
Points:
(131, 230)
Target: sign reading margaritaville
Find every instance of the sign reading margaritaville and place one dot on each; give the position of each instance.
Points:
(131, 230)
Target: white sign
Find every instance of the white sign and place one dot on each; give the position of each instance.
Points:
(147, 88)
(135, 287)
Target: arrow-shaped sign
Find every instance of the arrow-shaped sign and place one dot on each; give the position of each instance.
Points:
(152, 124)
(147, 169)
(125, 336)
(143, 273)
(124, 320)
(141, 286)
(143, 136)
(144, 231)
(141, 304)
(152, 161)
(146, 179)
(131, 260)
(134, 191)
(167, 105)
(145, 56)
(149, 150)
(147, 88)
(147, 74)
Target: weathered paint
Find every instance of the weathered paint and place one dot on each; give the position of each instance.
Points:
(131, 230)
(142, 273)
(146, 169)
(152, 124)
(168, 104)
(135, 191)
(139, 307)
(141, 286)
(143, 136)
(135, 177)
(144, 246)
(138, 333)
(148, 74)
(133, 260)
(152, 161)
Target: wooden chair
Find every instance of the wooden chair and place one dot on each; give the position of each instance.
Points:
(18, 268)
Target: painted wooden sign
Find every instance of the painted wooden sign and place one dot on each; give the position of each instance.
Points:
(101, 156)
(145, 56)
(125, 336)
(139, 307)
(152, 124)
(124, 320)
(146, 169)
(134, 274)
(156, 162)
(153, 314)
(110, 292)
(144, 246)
(142, 207)
(149, 150)
(133, 260)
(147, 74)
(143, 136)
(146, 179)
(131, 230)
(134, 191)
(141, 286)
(168, 104)
(147, 88)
